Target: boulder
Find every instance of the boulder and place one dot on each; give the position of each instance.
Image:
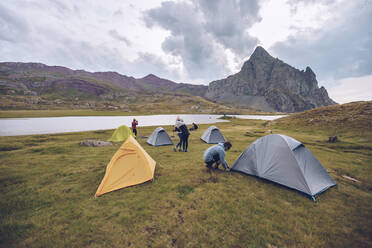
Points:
(94, 143)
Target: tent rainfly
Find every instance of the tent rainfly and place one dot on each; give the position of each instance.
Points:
(159, 138)
(129, 166)
(286, 161)
(121, 134)
(213, 136)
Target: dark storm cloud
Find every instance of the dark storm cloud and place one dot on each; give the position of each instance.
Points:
(342, 48)
(201, 56)
(228, 22)
(12, 27)
(114, 34)
(201, 30)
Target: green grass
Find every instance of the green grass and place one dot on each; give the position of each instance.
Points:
(48, 184)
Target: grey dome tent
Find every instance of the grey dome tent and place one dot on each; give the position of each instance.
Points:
(286, 161)
(159, 138)
(212, 136)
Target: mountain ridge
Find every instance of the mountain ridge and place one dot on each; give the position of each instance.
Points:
(269, 84)
(20, 70)
(264, 83)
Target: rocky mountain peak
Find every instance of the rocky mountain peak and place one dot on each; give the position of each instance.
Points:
(260, 53)
(267, 83)
(259, 58)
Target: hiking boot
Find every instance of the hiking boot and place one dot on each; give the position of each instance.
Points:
(180, 150)
(174, 149)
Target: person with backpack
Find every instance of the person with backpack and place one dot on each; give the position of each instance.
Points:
(185, 137)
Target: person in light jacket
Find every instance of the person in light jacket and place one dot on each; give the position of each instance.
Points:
(179, 144)
(216, 155)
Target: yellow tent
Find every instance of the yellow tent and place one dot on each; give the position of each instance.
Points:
(129, 166)
(121, 133)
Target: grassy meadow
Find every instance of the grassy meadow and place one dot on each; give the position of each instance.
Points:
(48, 184)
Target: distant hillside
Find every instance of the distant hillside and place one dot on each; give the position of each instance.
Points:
(40, 79)
(33, 86)
(349, 116)
(268, 84)
(263, 84)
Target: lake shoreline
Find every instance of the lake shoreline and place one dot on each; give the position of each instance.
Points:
(52, 125)
(69, 112)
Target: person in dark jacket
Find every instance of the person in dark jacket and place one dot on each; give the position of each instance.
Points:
(185, 137)
(194, 127)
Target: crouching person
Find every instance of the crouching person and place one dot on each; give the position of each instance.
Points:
(216, 155)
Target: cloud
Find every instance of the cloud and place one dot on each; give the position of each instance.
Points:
(202, 31)
(200, 55)
(12, 27)
(79, 36)
(341, 48)
(193, 41)
(228, 22)
(114, 34)
(352, 89)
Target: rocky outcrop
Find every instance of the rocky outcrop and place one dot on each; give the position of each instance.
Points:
(268, 84)
(95, 143)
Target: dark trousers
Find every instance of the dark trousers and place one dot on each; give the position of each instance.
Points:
(135, 131)
(185, 142)
(179, 144)
(216, 159)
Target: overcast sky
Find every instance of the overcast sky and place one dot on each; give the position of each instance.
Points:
(195, 41)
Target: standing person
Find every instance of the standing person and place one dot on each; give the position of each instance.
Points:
(180, 124)
(185, 137)
(216, 154)
(134, 126)
(179, 144)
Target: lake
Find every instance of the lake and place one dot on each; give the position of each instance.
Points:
(48, 125)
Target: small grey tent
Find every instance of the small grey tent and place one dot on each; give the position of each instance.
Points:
(286, 161)
(159, 138)
(212, 136)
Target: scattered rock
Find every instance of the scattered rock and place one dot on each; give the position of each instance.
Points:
(95, 143)
(268, 245)
(351, 179)
(333, 139)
